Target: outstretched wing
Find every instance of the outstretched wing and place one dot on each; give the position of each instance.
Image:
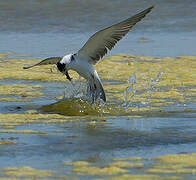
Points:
(99, 44)
(51, 60)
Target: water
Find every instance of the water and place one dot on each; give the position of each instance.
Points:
(68, 16)
(39, 28)
(48, 28)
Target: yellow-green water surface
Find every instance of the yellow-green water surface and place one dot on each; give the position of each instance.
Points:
(146, 130)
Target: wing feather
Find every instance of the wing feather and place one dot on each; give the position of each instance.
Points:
(51, 60)
(99, 44)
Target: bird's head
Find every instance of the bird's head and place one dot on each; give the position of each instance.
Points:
(64, 65)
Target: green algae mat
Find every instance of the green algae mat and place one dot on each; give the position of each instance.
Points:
(146, 130)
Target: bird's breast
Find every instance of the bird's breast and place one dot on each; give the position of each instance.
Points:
(83, 68)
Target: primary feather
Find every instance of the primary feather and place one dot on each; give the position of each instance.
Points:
(99, 44)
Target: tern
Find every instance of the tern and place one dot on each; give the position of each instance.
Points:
(93, 50)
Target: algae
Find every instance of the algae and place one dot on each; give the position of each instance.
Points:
(78, 163)
(159, 81)
(24, 91)
(9, 99)
(20, 90)
(25, 131)
(83, 167)
(7, 143)
(143, 40)
(117, 167)
(13, 120)
(74, 107)
(66, 178)
(13, 69)
(128, 159)
(175, 164)
(3, 55)
(155, 82)
(80, 107)
(90, 170)
(27, 172)
(127, 164)
(171, 165)
(141, 177)
(185, 159)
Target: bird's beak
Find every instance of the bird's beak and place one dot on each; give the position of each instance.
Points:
(62, 68)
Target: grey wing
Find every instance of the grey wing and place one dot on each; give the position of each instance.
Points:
(99, 44)
(51, 60)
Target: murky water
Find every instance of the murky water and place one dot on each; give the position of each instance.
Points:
(151, 108)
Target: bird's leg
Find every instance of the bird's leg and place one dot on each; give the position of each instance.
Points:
(67, 75)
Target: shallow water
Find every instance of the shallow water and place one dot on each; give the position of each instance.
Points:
(151, 108)
(43, 136)
(67, 16)
(47, 28)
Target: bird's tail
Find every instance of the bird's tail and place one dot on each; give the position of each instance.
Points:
(95, 88)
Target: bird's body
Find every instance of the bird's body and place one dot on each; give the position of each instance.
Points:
(94, 49)
(87, 71)
(82, 67)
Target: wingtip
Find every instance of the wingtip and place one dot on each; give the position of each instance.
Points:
(27, 67)
(147, 10)
(151, 7)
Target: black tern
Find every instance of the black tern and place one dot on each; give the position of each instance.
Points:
(95, 48)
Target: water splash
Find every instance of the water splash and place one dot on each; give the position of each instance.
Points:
(76, 100)
(77, 89)
(152, 86)
(132, 90)
(80, 89)
(77, 92)
(73, 89)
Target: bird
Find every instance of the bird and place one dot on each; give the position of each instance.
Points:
(92, 51)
